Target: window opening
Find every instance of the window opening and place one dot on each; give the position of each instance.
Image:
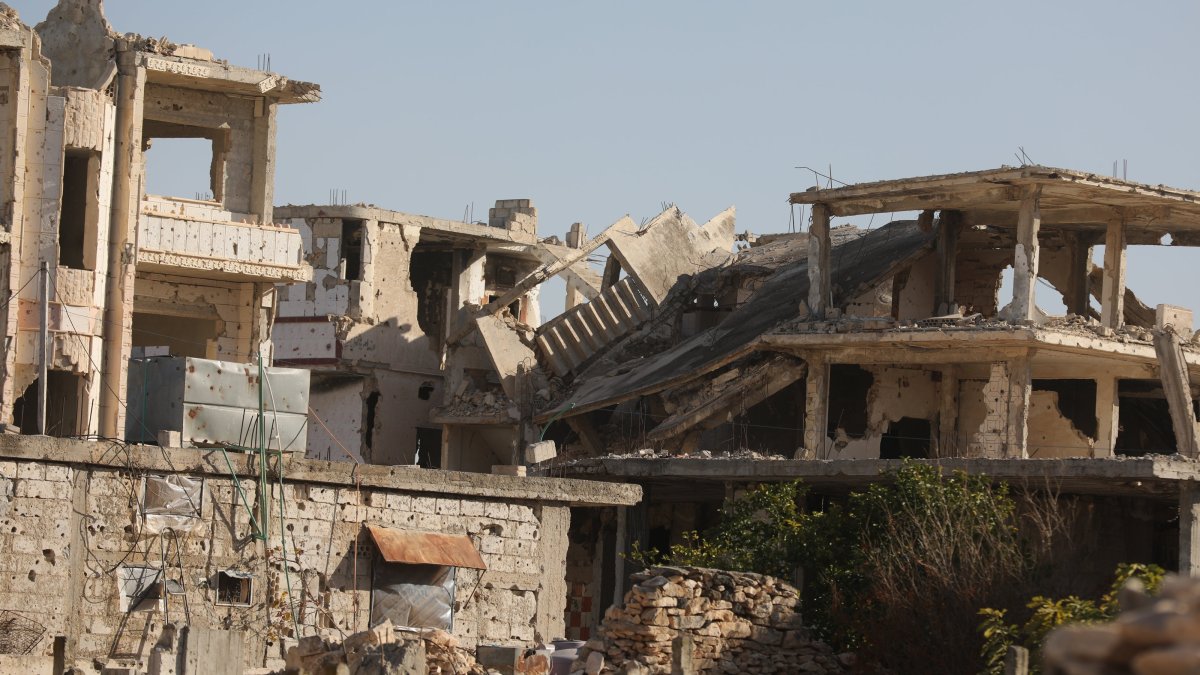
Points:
(182, 167)
(352, 246)
(234, 588)
(79, 211)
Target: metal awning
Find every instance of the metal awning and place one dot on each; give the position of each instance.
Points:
(426, 548)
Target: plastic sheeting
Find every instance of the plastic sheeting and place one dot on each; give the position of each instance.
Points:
(416, 596)
(171, 502)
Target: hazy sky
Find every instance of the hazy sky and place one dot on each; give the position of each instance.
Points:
(595, 110)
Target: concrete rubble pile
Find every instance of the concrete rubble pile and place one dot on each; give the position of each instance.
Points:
(1152, 635)
(700, 620)
(382, 650)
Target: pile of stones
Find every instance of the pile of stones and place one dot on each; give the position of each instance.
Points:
(1151, 636)
(382, 651)
(696, 620)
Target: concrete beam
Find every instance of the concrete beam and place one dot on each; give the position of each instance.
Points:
(820, 285)
(1151, 476)
(1177, 387)
(144, 458)
(1112, 295)
(1026, 254)
(744, 393)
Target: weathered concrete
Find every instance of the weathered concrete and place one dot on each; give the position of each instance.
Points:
(1151, 476)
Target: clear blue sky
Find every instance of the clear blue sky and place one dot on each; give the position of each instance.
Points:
(595, 110)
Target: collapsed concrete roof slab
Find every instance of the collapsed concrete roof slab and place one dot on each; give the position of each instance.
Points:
(1155, 476)
(506, 351)
(1071, 198)
(670, 246)
(857, 265)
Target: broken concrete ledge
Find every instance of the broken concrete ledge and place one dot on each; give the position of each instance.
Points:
(573, 492)
(1148, 476)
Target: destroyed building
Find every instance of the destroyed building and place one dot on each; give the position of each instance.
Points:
(122, 304)
(372, 325)
(831, 355)
(119, 268)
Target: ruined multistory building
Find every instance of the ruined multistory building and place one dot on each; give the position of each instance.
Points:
(84, 107)
(106, 541)
(833, 354)
(374, 325)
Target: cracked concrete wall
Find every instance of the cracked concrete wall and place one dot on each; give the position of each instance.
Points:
(46, 122)
(895, 393)
(978, 279)
(231, 306)
(1051, 434)
(916, 295)
(368, 326)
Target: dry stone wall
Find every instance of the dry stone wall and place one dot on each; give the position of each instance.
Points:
(677, 619)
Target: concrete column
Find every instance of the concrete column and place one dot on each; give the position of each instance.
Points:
(1189, 529)
(122, 240)
(549, 622)
(1107, 416)
(948, 414)
(1020, 387)
(816, 407)
(1112, 294)
(1025, 256)
(1176, 384)
(262, 170)
(820, 285)
(1078, 289)
(470, 285)
(949, 226)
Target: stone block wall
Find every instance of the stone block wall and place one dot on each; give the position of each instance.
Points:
(698, 620)
(67, 528)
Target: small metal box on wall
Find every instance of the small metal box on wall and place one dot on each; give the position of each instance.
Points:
(216, 402)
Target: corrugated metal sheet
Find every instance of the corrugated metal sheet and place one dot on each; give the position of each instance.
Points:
(426, 548)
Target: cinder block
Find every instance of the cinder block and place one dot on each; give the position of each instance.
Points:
(170, 439)
(540, 452)
(508, 469)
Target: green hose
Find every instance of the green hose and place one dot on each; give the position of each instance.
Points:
(283, 550)
(557, 415)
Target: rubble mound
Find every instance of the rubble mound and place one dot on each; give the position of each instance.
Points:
(382, 650)
(716, 621)
(1151, 636)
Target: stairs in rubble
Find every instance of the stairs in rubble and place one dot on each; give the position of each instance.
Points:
(572, 338)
